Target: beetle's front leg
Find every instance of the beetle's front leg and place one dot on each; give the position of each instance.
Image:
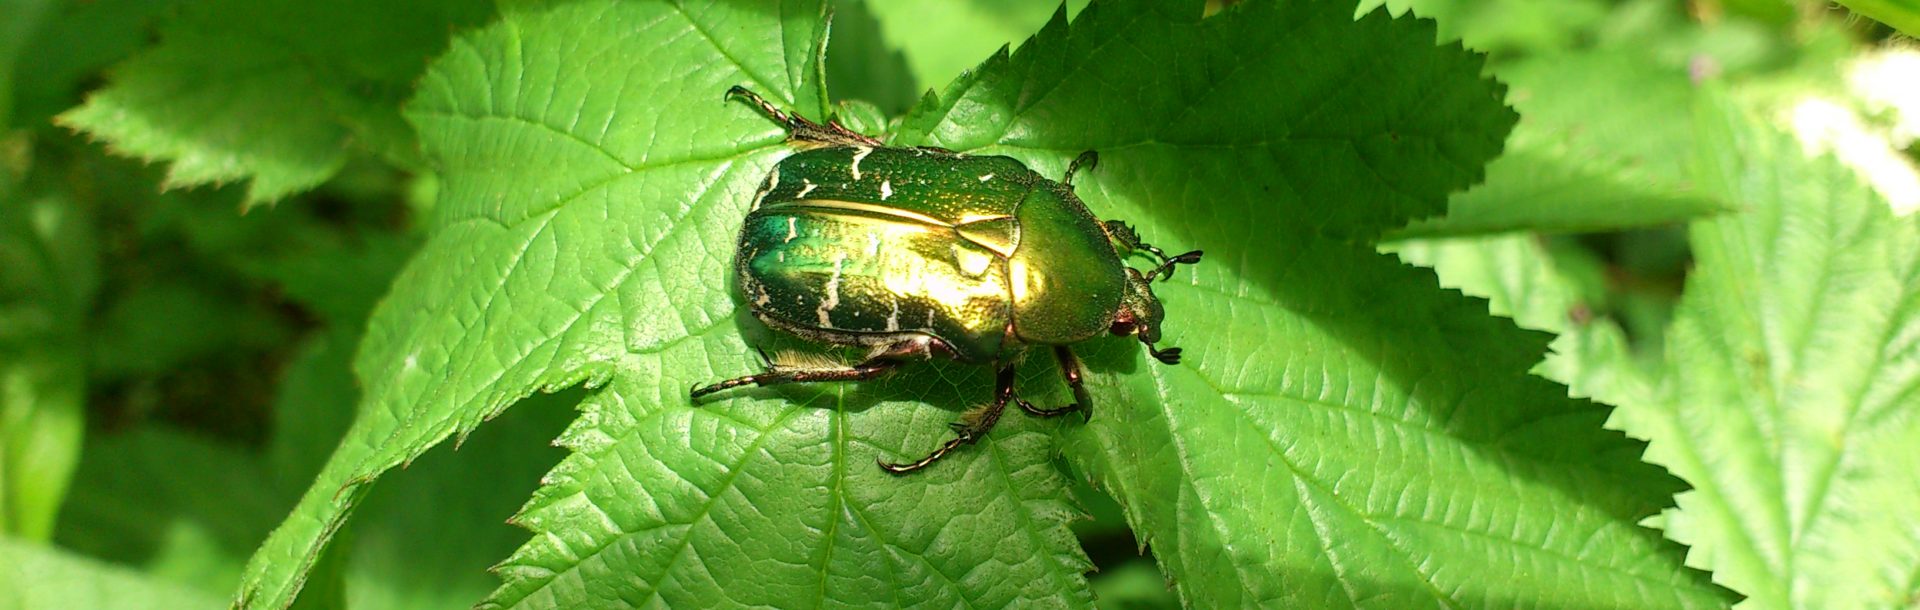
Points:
(1130, 240)
(800, 129)
(969, 430)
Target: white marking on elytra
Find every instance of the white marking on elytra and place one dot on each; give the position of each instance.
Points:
(893, 319)
(886, 189)
(806, 186)
(793, 229)
(764, 298)
(773, 182)
(929, 317)
(986, 177)
(858, 154)
(873, 244)
(833, 293)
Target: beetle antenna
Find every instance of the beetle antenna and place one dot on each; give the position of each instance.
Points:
(1165, 270)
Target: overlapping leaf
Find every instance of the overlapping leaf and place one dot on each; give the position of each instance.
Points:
(1788, 395)
(1601, 145)
(275, 93)
(1784, 396)
(1342, 431)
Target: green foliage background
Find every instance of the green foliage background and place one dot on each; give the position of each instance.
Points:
(1506, 304)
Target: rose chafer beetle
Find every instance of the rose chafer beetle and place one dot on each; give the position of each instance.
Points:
(918, 253)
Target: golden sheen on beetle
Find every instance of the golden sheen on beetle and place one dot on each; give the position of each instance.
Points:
(920, 253)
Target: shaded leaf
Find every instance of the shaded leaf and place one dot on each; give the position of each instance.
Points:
(942, 38)
(276, 93)
(48, 275)
(1601, 145)
(862, 66)
(34, 577)
(73, 43)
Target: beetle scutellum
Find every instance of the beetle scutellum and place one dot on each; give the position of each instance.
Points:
(917, 253)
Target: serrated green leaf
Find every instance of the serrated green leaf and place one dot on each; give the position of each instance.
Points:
(1239, 103)
(1788, 397)
(1341, 432)
(73, 42)
(48, 276)
(275, 93)
(541, 275)
(1519, 278)
(34, 577)
(1601, 145)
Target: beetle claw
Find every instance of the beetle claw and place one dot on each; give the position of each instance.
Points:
(1057, 411)
(1087, 160)
(1170, 355)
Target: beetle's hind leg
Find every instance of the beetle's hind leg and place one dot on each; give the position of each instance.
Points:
(799, 129)
(880, 362)
(779, 374)
(968, 430)
(1070, 371)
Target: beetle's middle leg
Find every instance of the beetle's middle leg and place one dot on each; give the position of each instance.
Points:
(969, 430)
(1069, 370)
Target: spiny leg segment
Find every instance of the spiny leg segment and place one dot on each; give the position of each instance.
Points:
(876, 364)
(799, 129)
(1070, 371)
(967, 431)
(775, 375)
(1125, 234)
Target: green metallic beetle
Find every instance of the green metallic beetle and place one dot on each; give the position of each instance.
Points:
(916, 253)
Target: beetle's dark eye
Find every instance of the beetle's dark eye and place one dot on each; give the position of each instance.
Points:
(1122, 327)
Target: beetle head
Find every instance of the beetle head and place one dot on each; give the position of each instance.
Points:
(1140, 315)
